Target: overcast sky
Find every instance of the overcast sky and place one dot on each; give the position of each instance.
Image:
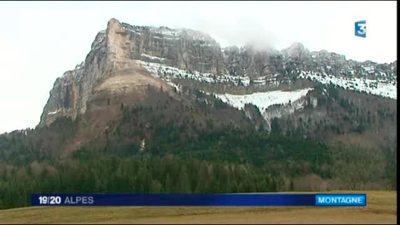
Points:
(39, 41)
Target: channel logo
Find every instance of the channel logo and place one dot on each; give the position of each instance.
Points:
(360, 28)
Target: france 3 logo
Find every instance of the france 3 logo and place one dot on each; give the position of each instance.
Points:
(360, 28)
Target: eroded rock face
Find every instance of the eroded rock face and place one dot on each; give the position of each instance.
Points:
(64, 97)
(186, 49)
(253, 62)
(115, 51)
(110, 53)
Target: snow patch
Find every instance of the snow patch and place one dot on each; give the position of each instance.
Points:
(383, 88)
(177, 87)
(152, 57)
(263, 99)
(54, 112)
(168, 72)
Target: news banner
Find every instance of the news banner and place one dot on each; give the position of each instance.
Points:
(253, 199)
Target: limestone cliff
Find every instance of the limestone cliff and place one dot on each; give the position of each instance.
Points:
(114, 65)
(115, 51)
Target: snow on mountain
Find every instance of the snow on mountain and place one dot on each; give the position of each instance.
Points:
(376, 87)
(152, 57)
(163, 71)
(273, 104)
(260, 99)
(263, 99)
(53, 112)
(381, 87)
(168, 33)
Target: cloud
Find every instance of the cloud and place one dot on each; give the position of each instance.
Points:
(239, 32)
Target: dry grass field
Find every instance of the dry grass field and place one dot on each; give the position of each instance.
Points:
(381, 208)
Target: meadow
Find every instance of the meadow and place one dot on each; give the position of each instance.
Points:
(381, 208)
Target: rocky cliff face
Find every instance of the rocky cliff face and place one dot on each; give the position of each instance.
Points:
(72, 91)
(186, 49)
(180, 53)
(116, 49)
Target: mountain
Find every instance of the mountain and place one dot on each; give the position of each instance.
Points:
(169, 110)
(190, 55)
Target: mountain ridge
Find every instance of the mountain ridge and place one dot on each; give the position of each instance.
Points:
(117, 47)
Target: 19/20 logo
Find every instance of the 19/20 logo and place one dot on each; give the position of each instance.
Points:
(49, 200)
(360, 28)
